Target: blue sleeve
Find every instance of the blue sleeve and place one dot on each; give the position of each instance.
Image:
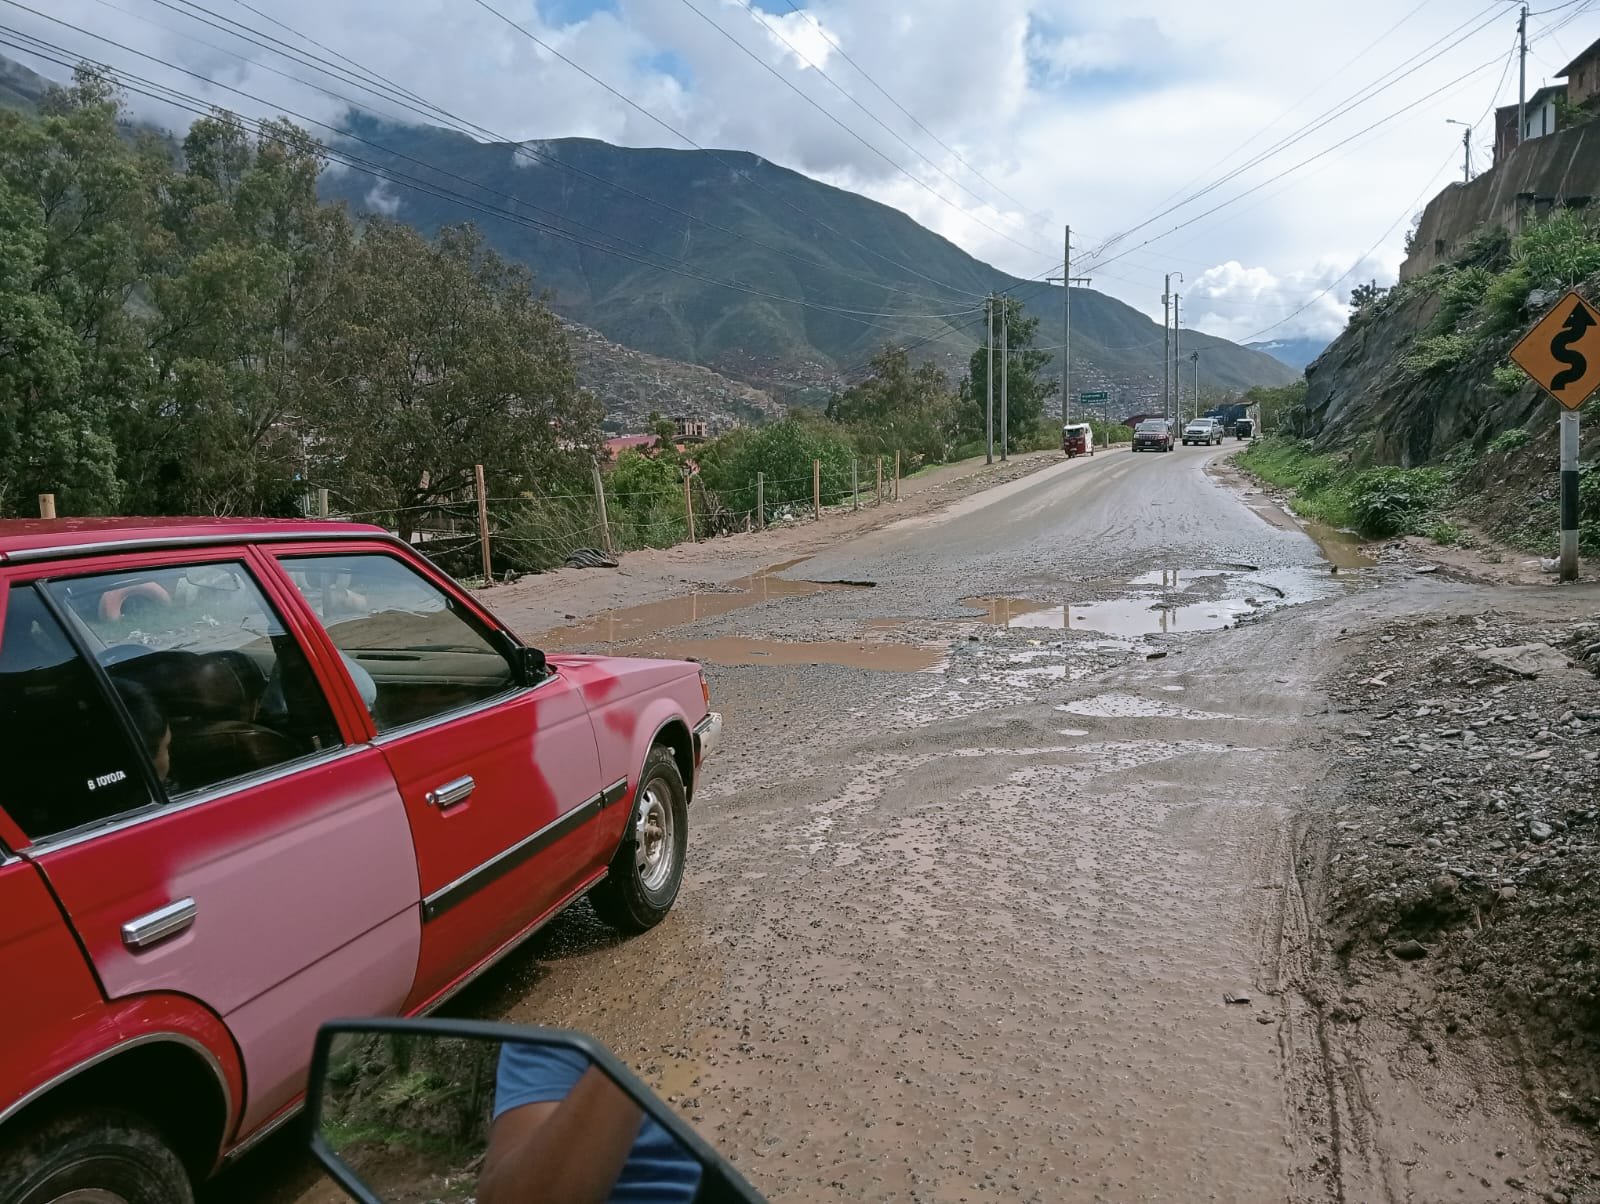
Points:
(535, 1074)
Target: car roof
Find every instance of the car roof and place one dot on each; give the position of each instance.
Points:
(30, 538)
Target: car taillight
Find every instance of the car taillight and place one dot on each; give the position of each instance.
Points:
(705, 689)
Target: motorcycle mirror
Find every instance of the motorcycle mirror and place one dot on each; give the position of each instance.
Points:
(465, 1111)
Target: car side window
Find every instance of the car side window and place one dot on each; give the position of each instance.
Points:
(69, 760)
(215, 684)
(416, 653)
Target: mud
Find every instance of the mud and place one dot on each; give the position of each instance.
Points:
(971, 933)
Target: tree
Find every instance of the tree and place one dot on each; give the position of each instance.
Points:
(249, 264)
(898, 407)
(432, 357)
(1364, 295)
(73, 203)
(1026, 390)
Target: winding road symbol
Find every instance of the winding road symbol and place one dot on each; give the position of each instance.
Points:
(1562, 351)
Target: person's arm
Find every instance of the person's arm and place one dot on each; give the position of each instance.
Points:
(567, 1151)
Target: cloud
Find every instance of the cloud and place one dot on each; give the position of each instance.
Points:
(380, 199)
(1238, 302)
(1049, 111)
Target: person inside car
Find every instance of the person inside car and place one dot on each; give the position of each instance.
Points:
(152, 726)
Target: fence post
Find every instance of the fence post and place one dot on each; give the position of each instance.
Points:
(483, 522)
(688, 507)
(47, 505)
(761, 501)
(880, 480)
(816, 490)
(600, 502)
(855, 483)
(322, 502)
(896, 476)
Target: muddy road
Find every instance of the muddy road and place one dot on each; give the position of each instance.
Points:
(992, 844)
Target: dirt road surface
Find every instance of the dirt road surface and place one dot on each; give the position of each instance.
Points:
(992, 844)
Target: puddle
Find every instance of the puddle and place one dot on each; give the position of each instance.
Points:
(636, 622)
(1341, 549)
(1128, 617)
(1175, 578)
(1073, 731)
(853, 654)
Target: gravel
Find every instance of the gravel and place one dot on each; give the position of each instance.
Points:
(1467, 838)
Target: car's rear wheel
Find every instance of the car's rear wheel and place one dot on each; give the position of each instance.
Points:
(96, 1157)
(647, 869)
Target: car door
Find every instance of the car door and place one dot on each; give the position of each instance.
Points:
(208, 827)
(500, 775)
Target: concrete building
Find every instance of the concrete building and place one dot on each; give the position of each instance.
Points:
(1583, 75)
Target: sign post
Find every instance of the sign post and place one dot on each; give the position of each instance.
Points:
(1098, 397)
(1562, 355)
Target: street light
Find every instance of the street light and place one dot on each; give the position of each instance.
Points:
(1466, 146)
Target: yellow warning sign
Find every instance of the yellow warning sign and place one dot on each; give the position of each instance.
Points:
(1562, 351)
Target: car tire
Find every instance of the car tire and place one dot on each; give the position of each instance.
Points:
(645, 874)
(100, 1154)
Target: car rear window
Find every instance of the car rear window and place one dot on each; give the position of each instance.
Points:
(70, 758)
(197, 653)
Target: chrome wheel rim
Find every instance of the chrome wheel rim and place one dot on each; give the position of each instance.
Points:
(652, 839)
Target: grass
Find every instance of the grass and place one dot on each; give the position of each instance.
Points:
(1315, 483)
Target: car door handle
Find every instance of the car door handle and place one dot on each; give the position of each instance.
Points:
(451, 793)
(158, 925)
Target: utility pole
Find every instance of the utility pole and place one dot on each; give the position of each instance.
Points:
(1005, 368)
(1194, 358)
(988, 414)
(1522, 75)
(1066, 324)
(1177, 358)
(1169, 395)
(1166, 349)
(1466, 146)
(1067, 281)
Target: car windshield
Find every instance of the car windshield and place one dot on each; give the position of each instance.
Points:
(1149, 427)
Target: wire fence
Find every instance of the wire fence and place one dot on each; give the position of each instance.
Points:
(534, 531)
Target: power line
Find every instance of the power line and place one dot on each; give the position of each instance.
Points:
(393, 92)
(910, 116)
(200, 107)
(1449, 160)
(1297, 166)
(1381, 85)
(631, 103)
(788, 83)
(1274, 122)
(756, 15)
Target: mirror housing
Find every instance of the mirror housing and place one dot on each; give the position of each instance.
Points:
(532, 668)
(473, 1110)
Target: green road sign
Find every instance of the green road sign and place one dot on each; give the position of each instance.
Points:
(1093, 396)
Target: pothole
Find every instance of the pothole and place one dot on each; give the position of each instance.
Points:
(640, 622)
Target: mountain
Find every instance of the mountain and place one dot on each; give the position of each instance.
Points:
(1297, 353)
(635, 384)
(746, 241)
(20, 88)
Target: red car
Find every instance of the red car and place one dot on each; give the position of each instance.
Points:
(260, 774)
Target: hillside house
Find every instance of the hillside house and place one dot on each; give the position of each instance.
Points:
(1542, 118)
(1583, 75)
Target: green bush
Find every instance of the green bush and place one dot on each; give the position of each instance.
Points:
(783, 451)
(1559, 251)
(1510, 440)
(1393, 501)
(644, 501)
(1446, 534)
(1589, 493)
(1505, 299)
(1508, 379)
(1460, 294)
(1436, 354)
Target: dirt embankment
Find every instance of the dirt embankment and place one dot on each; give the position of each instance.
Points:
(1463, 855)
